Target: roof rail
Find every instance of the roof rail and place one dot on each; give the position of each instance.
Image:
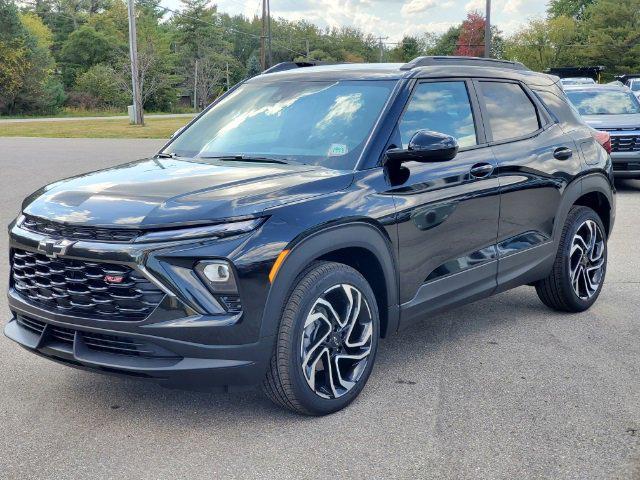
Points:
(281, 67)
(462, 61)
(627, 76)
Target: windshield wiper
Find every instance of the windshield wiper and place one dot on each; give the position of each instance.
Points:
(166, 155)
(245, 158)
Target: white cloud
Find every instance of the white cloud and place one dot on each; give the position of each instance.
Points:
(388, 18)
(417, 6)
(473, 5)
(512, 6)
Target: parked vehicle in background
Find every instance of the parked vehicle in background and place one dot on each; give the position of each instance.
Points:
(615, 110)
(305, 215)
(577, 81)
(634, 86)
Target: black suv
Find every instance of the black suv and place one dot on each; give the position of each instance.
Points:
(308, 213)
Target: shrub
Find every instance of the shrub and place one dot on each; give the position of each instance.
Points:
(100, 82)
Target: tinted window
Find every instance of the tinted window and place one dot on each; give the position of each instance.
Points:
(604, 102)
(511, 113)
(442, 107)
(559, 105)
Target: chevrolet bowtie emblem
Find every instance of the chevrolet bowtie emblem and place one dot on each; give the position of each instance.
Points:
(52, 248)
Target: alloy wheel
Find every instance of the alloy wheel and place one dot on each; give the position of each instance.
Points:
(587, 260)
(336, 341)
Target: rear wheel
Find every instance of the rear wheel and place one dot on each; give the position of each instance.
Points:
(326, 343)
(580, 266)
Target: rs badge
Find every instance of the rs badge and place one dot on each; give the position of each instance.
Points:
(113, 278)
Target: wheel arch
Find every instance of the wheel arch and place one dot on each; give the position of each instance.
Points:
(597, 194)
(359, 244)
(594, 191)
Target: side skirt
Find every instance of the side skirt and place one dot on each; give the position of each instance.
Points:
(525, 267)
(457, 289)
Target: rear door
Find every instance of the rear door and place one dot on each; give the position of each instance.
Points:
(536, 161)
(447, 211)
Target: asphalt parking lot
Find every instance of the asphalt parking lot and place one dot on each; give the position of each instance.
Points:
(503, 388)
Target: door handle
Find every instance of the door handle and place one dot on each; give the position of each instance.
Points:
(481, 170)
(562, 153)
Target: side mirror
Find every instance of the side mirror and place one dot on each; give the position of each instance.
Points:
(425, 146)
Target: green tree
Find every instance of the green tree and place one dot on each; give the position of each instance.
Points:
(204, 50)
(568, 8)
(408, 49)
(101, 82)
(13, 53)
(447, 43)
(253, 66)
(545, 43)
(27, 80)
(83, 49)
(612, 30)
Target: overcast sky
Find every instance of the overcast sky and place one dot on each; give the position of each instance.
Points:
(392, 18)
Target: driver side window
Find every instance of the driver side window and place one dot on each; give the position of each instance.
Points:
(442, 107)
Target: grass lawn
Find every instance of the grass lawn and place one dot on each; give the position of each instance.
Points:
(154, 128)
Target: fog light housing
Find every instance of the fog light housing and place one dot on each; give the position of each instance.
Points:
(217, 275)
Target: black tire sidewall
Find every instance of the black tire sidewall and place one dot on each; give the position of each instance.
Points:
(576, 303)
(312, 402)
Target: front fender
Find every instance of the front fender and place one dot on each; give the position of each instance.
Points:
(310, 246)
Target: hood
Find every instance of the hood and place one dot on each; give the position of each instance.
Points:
(165, 192)
(605, 122)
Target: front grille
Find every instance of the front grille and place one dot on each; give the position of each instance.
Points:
(625, 143)
(232, 303)
(626, 166)
(71, 232)
(81, 288)
(98, 342)
(31, 324)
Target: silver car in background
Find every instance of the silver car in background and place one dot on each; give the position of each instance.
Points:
(634, 86)
(615, 110)
(568, 81)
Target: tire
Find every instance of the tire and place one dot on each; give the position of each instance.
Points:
(308, 330)
(560, 290)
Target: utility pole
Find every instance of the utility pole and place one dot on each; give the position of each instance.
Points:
(380, 39)
(263, 56)
(228, 84)
(308, 53)
(269, 31)
(487, 31)
(138, 116)
(195, 86)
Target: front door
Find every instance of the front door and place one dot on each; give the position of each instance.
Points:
(448, 211)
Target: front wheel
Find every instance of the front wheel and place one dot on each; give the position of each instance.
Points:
(580, 266)
(326, 343)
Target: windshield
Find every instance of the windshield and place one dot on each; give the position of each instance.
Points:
(604, 102)
(577, 81)
(321, 123)
(635, 85)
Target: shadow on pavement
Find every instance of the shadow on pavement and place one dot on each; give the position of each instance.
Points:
(419, 342)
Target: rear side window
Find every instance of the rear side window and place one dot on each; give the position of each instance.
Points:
(442, 107)
(511, 112)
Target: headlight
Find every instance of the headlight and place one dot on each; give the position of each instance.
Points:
(209, 231)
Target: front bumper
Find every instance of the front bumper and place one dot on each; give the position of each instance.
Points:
(626, 165)
(168, 362)
(184, 343)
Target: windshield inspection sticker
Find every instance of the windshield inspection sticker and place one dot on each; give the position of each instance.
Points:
(337, 150)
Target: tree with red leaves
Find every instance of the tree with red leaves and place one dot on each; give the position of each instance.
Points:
(471, 40)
